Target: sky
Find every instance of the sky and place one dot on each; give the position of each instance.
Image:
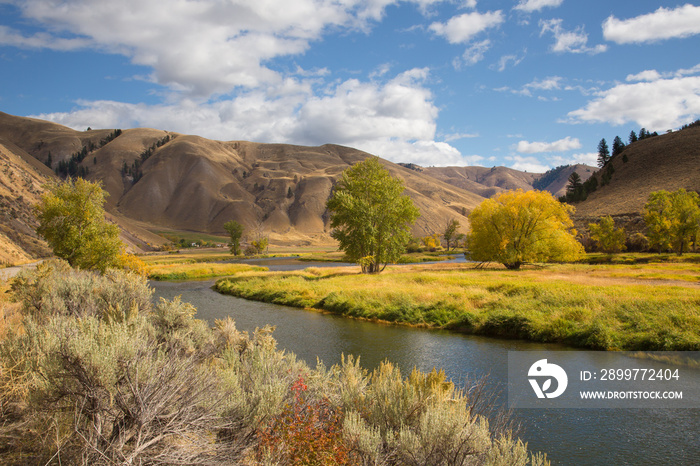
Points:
(527, 84)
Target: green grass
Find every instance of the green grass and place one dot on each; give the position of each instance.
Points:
(196, 271)
(576, 305)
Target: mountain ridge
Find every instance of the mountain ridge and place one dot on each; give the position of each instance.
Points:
(160, 180)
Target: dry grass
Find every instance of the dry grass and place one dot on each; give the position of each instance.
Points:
(197, 271)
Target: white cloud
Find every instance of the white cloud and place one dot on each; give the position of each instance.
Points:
(506, 59)
(656, 105)
(653, 75)
(197, 48)
(646, 75)
(458, 136)
(664, 23)
(40, 40)
(586, 158)
(575, 41)
(529, 164)
(461, 29)
(568, 143)
(536, 5)
(424, 153)
(474, 53)
(395, 119)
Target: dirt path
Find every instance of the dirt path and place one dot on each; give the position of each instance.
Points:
(10, 272)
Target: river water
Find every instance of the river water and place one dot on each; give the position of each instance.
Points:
(568, 436)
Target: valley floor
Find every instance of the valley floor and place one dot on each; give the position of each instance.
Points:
(632, 302)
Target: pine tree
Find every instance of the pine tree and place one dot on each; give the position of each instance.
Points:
(574, 190)
(618, 146)
(603, 153)
(633, 137)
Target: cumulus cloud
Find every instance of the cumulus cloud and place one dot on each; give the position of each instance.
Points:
(395, 119)
(575, 41)
(216, 60)
(657, 105)
(201, 48)
(568, 143)
(646, 75)
(664, 23)
(529, 6)
(528, 164)
(461, 29)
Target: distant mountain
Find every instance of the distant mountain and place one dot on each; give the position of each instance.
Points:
(487, 182)
(160, 181)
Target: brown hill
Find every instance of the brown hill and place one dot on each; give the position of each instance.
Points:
(159, 180)
(670, 161)
(21, 183)
(487, 182)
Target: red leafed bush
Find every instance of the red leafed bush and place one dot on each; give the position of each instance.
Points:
(306, 432)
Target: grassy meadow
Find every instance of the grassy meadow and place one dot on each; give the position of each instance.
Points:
(644, 305)
(214, 262)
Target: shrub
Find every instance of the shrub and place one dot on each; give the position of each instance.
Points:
(99, 375)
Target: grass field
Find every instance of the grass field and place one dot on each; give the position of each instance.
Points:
(196, 271)
(653, 305)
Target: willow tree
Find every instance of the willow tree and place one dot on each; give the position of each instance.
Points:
(370, 216)
(516, 227)
(608, 238)
(72, 220)
(672, 219)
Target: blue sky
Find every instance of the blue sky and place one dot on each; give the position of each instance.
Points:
(529, 84)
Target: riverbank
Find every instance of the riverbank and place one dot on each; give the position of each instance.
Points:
(654, 306)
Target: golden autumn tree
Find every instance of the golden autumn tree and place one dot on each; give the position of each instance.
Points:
(672, 219)
(516, 227)
(608, 238)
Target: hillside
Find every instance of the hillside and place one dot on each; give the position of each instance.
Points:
(159, 180)
(162, 181)
(487, 182)
(21, 181)
(669, 161)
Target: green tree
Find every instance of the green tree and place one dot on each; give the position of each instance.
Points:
(672, 219)
(72, 220)
(235, 231)
(259, 244)
(618, 146)
(608, 238)
(575, 190)
(516, 227)
(451, 233)
(633, 137)
(603, 153)
(370, 216)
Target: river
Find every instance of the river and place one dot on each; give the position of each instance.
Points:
(568, 436)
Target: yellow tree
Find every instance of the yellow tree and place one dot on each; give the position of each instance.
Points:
(673, 219)
(516, 227)
(72, 220)
(608, 238)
